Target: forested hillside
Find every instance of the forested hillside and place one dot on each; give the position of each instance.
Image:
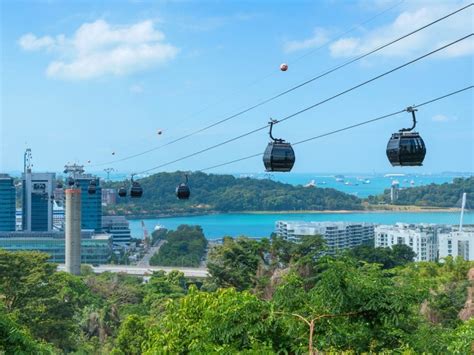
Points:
(225, 193)
(433, 195)
(260, 298)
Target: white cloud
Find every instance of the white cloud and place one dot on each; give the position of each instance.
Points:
(319, 37)
(30, 42)
(98, 49)
(136, 88)
(415, 15)
(443, 118)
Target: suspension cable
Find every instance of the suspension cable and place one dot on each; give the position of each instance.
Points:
(310, 107)
(346, 128)
(272, 98)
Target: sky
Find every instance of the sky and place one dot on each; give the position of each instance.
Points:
(93, 82)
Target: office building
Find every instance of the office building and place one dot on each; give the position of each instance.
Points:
(7, 203)
(37, 202)
(119, 228)
(421, 238)
(95, 248)
(337, 235)
(109, 197)
(457, 243)
(91, 204)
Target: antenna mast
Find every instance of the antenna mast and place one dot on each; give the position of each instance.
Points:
(463, 205)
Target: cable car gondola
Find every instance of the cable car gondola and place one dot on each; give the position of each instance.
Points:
(92, 188)
(136, 190)
(59, 185)
(279, 155)
(182, 190)
(70, 181)
(406, 148)
(122, 192)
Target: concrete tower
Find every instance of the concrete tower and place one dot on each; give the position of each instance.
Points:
(73, 230)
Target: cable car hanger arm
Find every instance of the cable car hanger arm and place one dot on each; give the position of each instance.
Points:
(411, 109)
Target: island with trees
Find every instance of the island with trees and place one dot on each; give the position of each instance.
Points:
(226, 193)
(447, 195)
(213, 193)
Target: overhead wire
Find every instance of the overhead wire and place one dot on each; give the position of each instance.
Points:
(272, 98)
(311, 106)
(346, 127)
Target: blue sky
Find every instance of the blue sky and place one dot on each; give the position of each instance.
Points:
(80, 80)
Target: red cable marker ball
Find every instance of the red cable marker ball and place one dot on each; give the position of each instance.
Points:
(284, 67)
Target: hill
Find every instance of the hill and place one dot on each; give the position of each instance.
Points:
(433, 195)
(226, 193)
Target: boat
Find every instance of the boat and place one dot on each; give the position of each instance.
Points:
(312, 183)
(366, 181)
(159, 227)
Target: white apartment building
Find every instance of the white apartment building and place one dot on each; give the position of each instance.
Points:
(338, 235)
(457, 243)
(421, 238)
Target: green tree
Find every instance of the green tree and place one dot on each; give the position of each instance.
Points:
(235, 263)
(132, 336)
(225, 321)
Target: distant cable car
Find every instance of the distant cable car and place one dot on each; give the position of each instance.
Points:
(122, 191)
(159, 132)
(279, 155)
(59, 185)
(284, 67)
(136, 190)
(92, 188)
(406, 148)
(113, 153)
(182, 190)
(70, 181)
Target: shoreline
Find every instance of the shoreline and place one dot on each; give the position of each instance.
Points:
(390, 209)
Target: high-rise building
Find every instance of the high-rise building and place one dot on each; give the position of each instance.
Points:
(337, 235)
(421, 238)
(91, 208)
(7, 203)
(37, 201)
(457, 243)
(119, 227)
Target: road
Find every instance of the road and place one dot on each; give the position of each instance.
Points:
(144, 271)
(145, 261)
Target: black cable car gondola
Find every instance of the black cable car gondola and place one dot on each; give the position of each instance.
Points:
(122, 192)
(136, 190)
(59, 185)
(182, 190)
(279, 155)
(70, 181)
(92, 188)
(406, 148)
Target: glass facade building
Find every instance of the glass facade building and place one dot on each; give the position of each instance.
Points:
(119, 228)
(7, 203)
(95, 249)
(91, 204)
(37, 202)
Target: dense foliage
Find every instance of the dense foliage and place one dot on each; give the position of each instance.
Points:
(433, 195)
(225, 193)
(185, 246)
(285, 298)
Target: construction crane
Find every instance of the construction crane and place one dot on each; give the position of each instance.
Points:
(146, 239)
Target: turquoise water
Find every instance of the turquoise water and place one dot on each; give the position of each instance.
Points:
(262, 225)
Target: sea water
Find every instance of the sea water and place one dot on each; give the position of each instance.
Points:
(262, 225)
